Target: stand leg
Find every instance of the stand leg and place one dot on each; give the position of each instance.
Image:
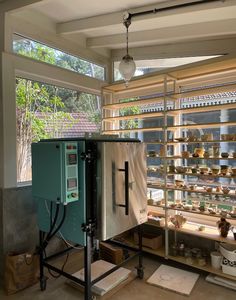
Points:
(42, 278)
(140, 271)
(87, 268)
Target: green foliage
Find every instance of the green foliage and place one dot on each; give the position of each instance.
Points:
(133, 110)
(49, 55)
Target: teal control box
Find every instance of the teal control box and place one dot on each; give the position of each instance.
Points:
(55, 171)
(58, 177)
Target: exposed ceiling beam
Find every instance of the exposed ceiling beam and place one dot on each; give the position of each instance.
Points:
(162, 18)
(167, 35)
(184, 49)
(88, 24)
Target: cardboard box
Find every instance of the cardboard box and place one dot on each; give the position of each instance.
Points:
(149, 240)
(111, 253)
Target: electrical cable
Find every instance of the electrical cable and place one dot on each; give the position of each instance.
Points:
(60, 224)
(60, 233)
(52, 226)
(62, 268)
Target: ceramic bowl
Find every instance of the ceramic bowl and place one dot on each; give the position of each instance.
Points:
(225, 190)
(207, 137)
(204, 170)
(179, 183)
(224, 154)
(179, 169)
(199, 152)
(209, 189)
(152, 153)
(215, 171)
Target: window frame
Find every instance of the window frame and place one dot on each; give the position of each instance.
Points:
(20, 66)
(58, 49)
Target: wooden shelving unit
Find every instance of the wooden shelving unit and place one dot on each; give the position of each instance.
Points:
(180, 259)
(171, 98)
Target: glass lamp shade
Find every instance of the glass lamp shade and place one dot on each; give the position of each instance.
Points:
(127, 68)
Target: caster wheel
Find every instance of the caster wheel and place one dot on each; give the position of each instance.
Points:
(140, 273)
(43, 283)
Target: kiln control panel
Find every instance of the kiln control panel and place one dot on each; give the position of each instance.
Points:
(71, 172)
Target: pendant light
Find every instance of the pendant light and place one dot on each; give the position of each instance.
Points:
(127, 65)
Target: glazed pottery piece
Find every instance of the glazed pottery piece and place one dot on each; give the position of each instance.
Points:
(224, 227)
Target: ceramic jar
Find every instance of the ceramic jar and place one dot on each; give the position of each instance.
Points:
(224, 227)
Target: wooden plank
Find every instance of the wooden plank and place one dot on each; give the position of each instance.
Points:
(170, 112)
(133, 117)
(209, 232)
(135, 83)
(198, 191)
(180, 157)
(133, 130)
(202, 108)
(194, 126)
(121, 105)
(193, 174)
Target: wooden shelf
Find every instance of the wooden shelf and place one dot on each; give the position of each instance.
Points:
(200, 213)
(170, 128)
(187, 142)
(162, 187)
(121, 105)
(170, 112)
(180, 157)
(202, 126)
(208, 268)
(180, 259)
(148, 129)
(232, 176)
(134, 117)
(209, 232)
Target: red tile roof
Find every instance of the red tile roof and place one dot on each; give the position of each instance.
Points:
(74, 126)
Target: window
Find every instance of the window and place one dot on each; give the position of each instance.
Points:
(47, 111)
(41, 52)
(153, 65)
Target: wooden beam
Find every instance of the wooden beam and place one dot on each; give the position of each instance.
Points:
(168, 34)
(115, 19)
(216, 46)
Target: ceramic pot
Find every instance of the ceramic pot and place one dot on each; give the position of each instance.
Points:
(224, 227)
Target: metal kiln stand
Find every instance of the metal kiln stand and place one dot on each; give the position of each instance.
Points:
(87, 283)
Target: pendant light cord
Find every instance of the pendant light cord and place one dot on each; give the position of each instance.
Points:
(127, 40)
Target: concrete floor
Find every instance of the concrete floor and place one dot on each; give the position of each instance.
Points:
(137, 289)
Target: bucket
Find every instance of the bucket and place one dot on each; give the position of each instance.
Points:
(216, 259)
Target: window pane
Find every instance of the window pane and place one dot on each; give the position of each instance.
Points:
(47, 111)
(154, 65)
(38, 51)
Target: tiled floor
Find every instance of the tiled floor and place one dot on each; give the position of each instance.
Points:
(57, 289)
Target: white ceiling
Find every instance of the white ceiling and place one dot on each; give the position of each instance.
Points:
(99, 22)
(63, 11)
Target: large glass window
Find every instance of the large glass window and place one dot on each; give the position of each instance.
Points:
(41, 52)
(47, 111)
(153, 65)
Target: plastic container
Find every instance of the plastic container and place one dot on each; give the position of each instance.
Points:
(230, 270)
(216, 260)
(228, 251)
